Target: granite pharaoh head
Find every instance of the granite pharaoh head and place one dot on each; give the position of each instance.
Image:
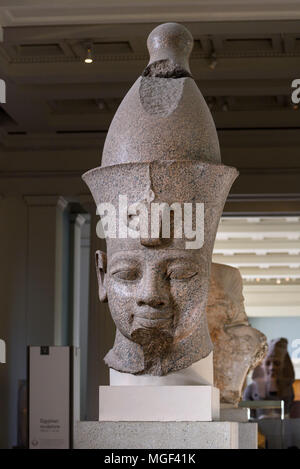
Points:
(238, 347)
(161, 156)
(273, 378)
(278, 367)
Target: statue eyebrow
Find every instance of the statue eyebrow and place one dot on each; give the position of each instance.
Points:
(117, 257)
(181, 258)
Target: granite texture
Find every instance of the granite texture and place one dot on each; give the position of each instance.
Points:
(273, 379)
(238, 347)
(156, 435)
(161, 147)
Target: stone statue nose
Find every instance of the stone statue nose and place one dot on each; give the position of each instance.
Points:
(151, 291)
(152, 301)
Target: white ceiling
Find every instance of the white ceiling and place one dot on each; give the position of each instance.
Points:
(45, 73)
(266, 250)
(42, 12)
(263, 248)
(58, 109)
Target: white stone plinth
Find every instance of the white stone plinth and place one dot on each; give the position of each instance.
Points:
(159, 403)
(247, 435)
(199, 373)
(156, 435)
(247, 430)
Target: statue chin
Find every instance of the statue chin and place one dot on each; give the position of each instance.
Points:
(154, 341)
(159, 350)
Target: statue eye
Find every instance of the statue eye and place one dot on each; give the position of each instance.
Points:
(129, 275)
(181, 273)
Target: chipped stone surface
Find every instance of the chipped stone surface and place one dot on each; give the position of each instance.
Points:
(165, 69)
(238, 347)
(162, 146)
(160, 97)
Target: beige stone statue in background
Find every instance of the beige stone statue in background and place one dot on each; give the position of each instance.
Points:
(238, 347)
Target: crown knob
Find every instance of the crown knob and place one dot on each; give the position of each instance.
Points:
(170, 42)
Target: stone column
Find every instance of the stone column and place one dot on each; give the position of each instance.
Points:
(77, 222)
(47, 270)
(13, 324)
(84, 311)
(101, 329)
(2, 342)
(33, 245)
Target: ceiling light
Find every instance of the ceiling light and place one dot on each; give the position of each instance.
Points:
(101, 104)
(88, 59)
(213, 61)
(225, 107)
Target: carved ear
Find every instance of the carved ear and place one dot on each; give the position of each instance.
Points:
(101, 275)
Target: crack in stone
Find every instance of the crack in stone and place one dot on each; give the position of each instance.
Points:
(165, 68)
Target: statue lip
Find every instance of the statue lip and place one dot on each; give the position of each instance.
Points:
(153, 318)
(146, 323)
(158, 320)
(153, 315)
